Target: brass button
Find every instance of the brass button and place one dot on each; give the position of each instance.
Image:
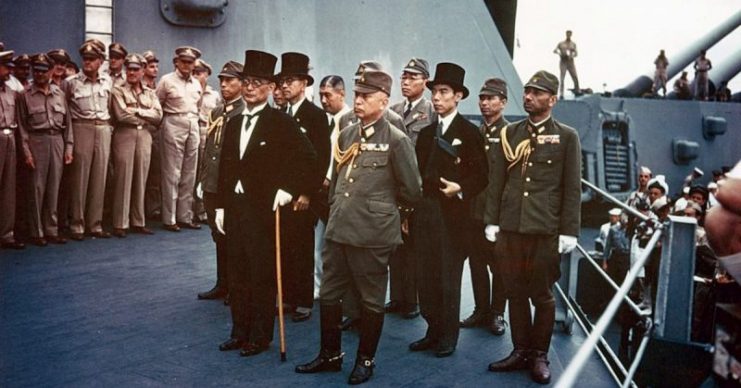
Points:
(351, 180)
(213, 158)
(347, 194)
(549, 162)
(526, 194)
(354, 166)
(375, 164)
(533, 135)
(530, 164)
(527, 179)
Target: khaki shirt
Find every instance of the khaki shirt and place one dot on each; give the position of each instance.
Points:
(136, 109)
(88, 100)
(40, 111)
(7, 107)
(118, 79)
(209, 101)
(566, 50)
(179, 95)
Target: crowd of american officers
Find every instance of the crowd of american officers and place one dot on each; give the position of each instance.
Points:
(402, 192)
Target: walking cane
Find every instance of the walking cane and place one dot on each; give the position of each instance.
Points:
(279, 279)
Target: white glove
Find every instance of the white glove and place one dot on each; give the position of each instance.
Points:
(282, 198)
(566, 243)
(199, 191)
(219, 221)
(491, 232)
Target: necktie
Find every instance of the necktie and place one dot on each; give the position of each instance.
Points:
(439, 129)
(290, 110)
(244, 138)
(409, 110)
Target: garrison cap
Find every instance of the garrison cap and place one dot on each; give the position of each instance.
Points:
(23, 60)
(201, 65)
(543, 80)
(449, 74)
(373, 81)
(231, 69)
(187, 52)
(117, 49)
(59, 56)
(6, 58)
(92, 48)
(150, 56)
(418, 66)
(494, 87)
(135, 61)
(41, 62)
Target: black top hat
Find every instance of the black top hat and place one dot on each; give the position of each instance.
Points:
(259, 64)
(449, 74)
(295, 64)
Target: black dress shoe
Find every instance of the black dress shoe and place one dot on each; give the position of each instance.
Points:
(392, 307)
(498, 325)
(13, 245)
(350, 323)
(444, 351)
(362, 371)
(77, 236)
(253, 348)
(300, 316)
(38, 241)
(171, 228)
(516, 360)
(409, 311)
(425, 343)
(231, 344)
(56, 240)
(214, 293)
(101, 234)
(539, 370)
(478, 318)
(322, 363)
(189, 225)
(141, 230)
(120, 233)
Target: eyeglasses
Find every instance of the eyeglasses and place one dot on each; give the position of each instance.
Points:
(255, 82)
(287, 80)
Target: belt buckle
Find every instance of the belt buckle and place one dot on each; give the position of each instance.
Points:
(139, 127)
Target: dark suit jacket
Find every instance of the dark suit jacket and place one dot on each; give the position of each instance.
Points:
(266, 165)
(313, 122)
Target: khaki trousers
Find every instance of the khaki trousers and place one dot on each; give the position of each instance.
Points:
(48, 156)
(89, 168)
(179, 147)
(7, 186)
(131, 149)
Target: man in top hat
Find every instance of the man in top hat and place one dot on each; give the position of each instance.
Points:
(88, 99)
(533, 208)
(453, 165)
(47, 148)
(349, 118)
(209, 100)
(116, 56)
(566, 51)
(60, 58)
(299, 223)
(230, 106)
(138, 113)
(375, 173)
(22, 68)
(180, 96)
(8, 126)
(248, 193)
(487, 294)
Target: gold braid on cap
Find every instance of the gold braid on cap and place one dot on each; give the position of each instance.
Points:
(521, 153)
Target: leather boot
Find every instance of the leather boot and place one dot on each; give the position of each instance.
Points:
(370, 333)
(362, 371)
(539, 370)
(516, 360)
(330, 357)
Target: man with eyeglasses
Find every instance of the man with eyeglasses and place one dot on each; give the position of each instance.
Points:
(255, 177)
(298, 222)
(180, 96)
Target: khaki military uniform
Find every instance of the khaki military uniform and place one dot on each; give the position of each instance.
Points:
(8, 126)
(137, 116)
(567, 52)
(46, 137)
(179, 140)
(88, 115)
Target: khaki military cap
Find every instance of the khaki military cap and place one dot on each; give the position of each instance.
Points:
(202, 65)
(117, 49)
(91, 49)
(187, 52)
(150, 56)
(59, 56)
(23, 60)
(41, 62)
(135, 61)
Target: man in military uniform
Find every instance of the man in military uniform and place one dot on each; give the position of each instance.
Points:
(702, 66)
(22, 68)
(137, 112)
(153, 194)
(453, 165)
(8, 126)
(247, 195)
(417, 113)
(566, 51)
(47, 148)
(88, 98)
(533, 208)
(392, 117)
(299, 224)
(488, 295)
(180, 96)
(209, 100)
(152, 70)
(230, 107)
(59, 58)
(375, 173)
(116, 56)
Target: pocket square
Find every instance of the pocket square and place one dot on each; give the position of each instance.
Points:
(456, 142)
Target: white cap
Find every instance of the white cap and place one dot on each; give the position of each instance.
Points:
(616, 211)
(712, 186)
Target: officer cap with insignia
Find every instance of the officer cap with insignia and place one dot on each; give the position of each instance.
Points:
(202, 65)
(371, 81)
(117, 50)
(187, 52)
(150, 56)
(92, 48)
(296, 65)
(41, 62)
(231, 69)
(449, 74)
(418, 66)
(135, 61)
(59, 56)
(543, 80)
(23, 60)
(494, 87)
(367, 66)
(259, 64)
(6, 58)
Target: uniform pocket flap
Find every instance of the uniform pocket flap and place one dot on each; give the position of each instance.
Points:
(381, 207)
(376, 161)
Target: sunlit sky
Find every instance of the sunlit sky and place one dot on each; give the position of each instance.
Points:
(618, 40)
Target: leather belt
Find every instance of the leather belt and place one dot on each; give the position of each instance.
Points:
(91, 121)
